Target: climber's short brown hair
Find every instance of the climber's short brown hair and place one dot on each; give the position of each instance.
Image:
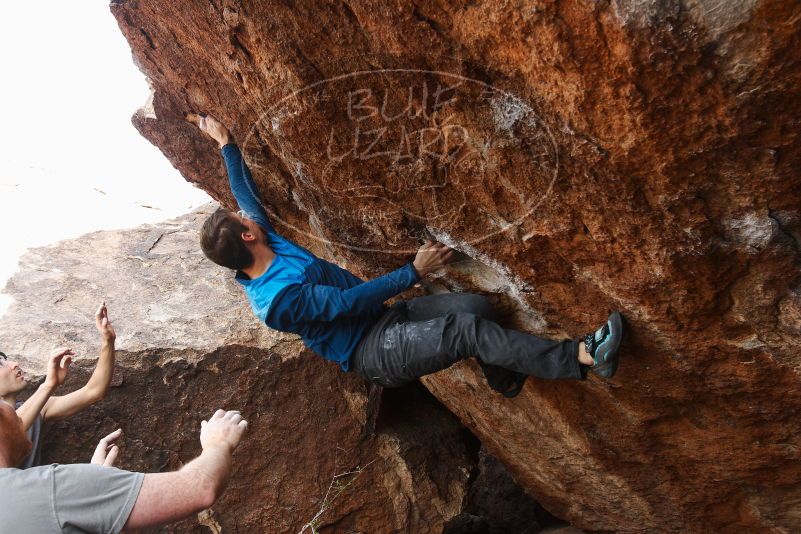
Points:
(221, 240)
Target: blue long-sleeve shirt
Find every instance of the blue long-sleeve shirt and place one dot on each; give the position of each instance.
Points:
(330, 308)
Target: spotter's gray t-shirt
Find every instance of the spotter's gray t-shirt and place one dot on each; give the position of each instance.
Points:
(34, 433)
(76, 498)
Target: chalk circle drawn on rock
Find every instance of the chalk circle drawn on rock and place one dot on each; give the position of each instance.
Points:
(431, 148)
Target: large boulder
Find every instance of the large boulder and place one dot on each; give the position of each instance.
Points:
(584, 156)
(321, 451)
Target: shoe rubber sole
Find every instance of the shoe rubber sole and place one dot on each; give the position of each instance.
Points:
(609, 348)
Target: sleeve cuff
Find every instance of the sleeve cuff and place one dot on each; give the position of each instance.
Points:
(415, 275)
(228, 148)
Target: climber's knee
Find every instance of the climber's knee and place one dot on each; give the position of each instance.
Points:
(460, 335)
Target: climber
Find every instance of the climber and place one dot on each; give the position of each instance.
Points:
(99, 498)
(344, 318)
(41, 406)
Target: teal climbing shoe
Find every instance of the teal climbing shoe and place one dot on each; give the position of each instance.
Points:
(603, 344)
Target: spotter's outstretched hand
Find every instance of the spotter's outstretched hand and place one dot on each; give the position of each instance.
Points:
(104, 325)
(106, 451)
(223, 429)
(58, 365)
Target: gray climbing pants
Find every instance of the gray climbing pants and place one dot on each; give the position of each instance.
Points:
(424, 335)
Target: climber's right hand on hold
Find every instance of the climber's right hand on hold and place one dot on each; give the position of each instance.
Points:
(211, 127)
(432, 256)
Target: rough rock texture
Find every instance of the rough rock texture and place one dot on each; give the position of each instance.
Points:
(318, 451)
(586, 155)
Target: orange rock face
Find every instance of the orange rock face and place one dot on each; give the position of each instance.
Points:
(583, 156)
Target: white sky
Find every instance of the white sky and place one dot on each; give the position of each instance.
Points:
(68, 87)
